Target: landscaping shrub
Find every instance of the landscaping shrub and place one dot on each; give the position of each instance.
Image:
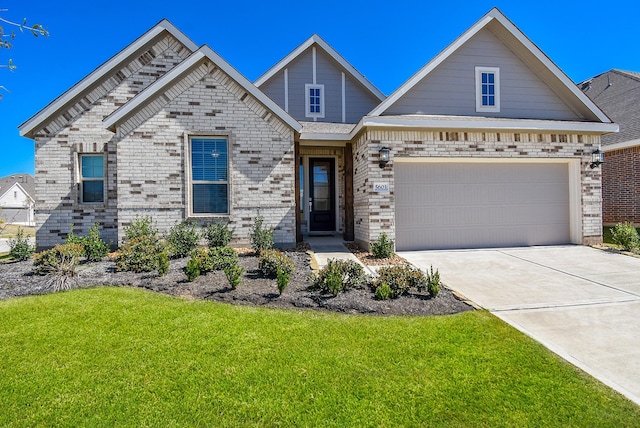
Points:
(182, 238)
(401, 279)
(95, 249)
(233, 274)
(163, 262)
(283, 280)
(383, 291)
(205, 260)
(339, 275)
(218, 234)
(382, 248)
(19, 248)
(60, 261)
(433, 282)
(139, 254)
(141, 226)
(222, 257)
(272, 260)
(626, 236)
(261, 238)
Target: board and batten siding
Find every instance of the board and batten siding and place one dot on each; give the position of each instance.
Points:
(449, 89)
(358, 101)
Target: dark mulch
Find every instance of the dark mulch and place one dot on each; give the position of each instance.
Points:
(17, 279)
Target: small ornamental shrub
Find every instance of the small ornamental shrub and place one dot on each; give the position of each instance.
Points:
(401, 279)
(272, 260)
(339, 275)
(19, 248)
(163, 262)
(61, 262)
(139, 254)
(382, 248)
(218, 234)
(283, 280)
(261, 238)
(221, 258)
(192, 269)
(95, 249)
(203, 260)
(182, 238)
(383, 291)
(626, 236)
(141, 226)
(433, 282)
(234, 274)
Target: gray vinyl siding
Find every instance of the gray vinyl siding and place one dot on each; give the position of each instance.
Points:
(450, 88)
(359, 101)
(300, 73)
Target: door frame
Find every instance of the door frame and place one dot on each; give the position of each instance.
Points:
(306, 191)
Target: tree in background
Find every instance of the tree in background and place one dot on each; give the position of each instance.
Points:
(8, 34)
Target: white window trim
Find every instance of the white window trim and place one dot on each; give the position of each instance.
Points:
(479, 107)
(191, 181)
(82, 179)
(308, 86)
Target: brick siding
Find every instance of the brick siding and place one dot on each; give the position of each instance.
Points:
(621, 186)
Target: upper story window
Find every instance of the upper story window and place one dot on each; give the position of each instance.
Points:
(209, 175)
(92, 178)
(487, 89)
(314, 103)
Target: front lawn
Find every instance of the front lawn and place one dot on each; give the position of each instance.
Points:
(126, 357)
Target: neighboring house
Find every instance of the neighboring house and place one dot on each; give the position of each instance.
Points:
(489, 144)
(617, 93)
(16, 200)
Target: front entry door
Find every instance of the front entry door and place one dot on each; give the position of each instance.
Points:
(322, 213)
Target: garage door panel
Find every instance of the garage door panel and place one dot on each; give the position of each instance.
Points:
(475, 205)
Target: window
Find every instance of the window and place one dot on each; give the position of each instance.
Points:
(209, 176)
(314, 102)
(487, 89)
(91, 178)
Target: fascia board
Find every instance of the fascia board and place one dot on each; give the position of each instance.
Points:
(470, 123)
(59, 103)
(621, 145)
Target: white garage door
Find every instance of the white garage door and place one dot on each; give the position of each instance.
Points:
(476, 205)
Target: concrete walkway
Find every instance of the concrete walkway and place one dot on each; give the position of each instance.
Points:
(330, 247)
(581, 303)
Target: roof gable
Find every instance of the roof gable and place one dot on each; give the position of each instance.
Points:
(316, 40)
(527, 52)
(152, 98)
(80, 89)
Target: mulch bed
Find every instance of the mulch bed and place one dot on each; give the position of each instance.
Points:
(17, 279)
(367, 258)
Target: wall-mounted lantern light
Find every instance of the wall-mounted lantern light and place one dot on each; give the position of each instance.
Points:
(385, 156)
(597, 158)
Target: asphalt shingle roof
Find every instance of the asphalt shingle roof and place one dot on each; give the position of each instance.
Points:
(25, 180)
(617, 93)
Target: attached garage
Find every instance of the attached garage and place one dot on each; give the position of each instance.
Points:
(484, 203)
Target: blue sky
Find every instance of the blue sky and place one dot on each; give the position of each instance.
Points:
(387, 41)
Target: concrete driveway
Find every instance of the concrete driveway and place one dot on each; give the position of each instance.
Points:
(581, 303)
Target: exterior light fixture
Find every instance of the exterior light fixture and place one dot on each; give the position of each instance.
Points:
(385, 156)
(597, 158)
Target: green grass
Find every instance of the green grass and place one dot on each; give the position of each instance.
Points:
(126, 357)
(10, 230)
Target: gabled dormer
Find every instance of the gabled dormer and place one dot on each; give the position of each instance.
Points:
(315, 83)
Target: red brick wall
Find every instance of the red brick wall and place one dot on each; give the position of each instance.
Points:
(621, 186)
